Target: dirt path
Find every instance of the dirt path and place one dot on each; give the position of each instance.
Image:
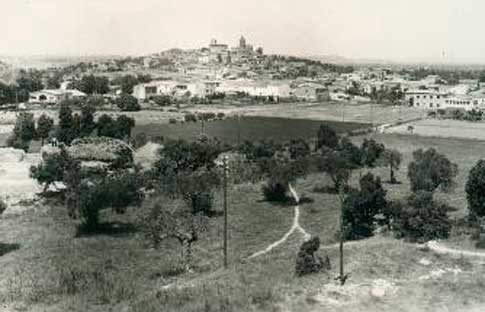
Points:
(439, 248)
(294, 227)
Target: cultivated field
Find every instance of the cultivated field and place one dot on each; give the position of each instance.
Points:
(47, 267)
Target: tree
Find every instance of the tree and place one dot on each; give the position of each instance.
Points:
(420, 218)
(125, 125)
(371, 151)
(127, 103)
(299, 148)
(327, 137)
(91, 84)
(65, 130)
(179, 155)
(430, 170)
(107, 126)
(475, 190)
(44, 127)
(337, 166)
(361, 207)
(391, 158)
(51, 169)
(23, 131)
(173, 219)
(87, 118)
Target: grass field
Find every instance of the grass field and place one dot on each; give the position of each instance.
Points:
(446, 128)
(45, 267)
(250, 128)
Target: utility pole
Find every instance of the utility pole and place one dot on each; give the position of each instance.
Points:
(342, 277)
(239, 129)
(202, 126)
(225, 209)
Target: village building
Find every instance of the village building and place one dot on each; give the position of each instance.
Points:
(54, 96)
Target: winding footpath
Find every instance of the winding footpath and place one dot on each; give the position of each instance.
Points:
(439, 248)
(296, 227)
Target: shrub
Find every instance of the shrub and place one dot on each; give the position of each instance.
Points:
(220, 115)
(172, 121)
(51, 169)
(420, 218)
(306, 260)
(275, 191)
(371, 151)
(127, 103)
(189, 117)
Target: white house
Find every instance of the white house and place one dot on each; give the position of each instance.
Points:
(54, 96)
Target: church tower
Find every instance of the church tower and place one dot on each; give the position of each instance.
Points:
(242, 42)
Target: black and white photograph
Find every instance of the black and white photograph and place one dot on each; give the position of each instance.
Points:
(242, 156)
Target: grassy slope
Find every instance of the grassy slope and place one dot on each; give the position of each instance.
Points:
(52, 269)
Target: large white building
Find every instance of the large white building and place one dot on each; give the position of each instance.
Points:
(430, 99)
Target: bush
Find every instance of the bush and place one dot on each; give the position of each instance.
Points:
(23, 132)
(275, 191)
(172, 121)
(127, 103)
(221, 115)
(189, 117)
(420, 218)
(306, 260)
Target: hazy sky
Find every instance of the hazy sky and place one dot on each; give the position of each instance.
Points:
(402, 30)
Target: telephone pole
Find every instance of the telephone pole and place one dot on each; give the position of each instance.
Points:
(342, 277)
(225, 209)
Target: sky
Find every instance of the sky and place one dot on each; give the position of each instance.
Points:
(395, 30)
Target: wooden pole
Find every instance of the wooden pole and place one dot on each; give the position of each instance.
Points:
(225, 211)
(342, 276)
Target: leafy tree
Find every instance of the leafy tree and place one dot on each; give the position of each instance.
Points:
(29, 81)
(430, 170)
(281, 175)
(76, 126)
(299, 148)
(173, 219)
(125, 125)
(107, 126)
(127, 83)
(91, 84)
(23, 132)
(44, 127)
(127, 103)
(391, 158)
(337, 166)
(327, 137)
(475, 190)
(65, 130)
(420, 218)
(179, 155)
(350, 152)
(362, 206)
(87, 118)
(371, 151)
(196, 189)
(52, 169)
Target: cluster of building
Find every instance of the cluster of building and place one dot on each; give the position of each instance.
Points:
(276, 90)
